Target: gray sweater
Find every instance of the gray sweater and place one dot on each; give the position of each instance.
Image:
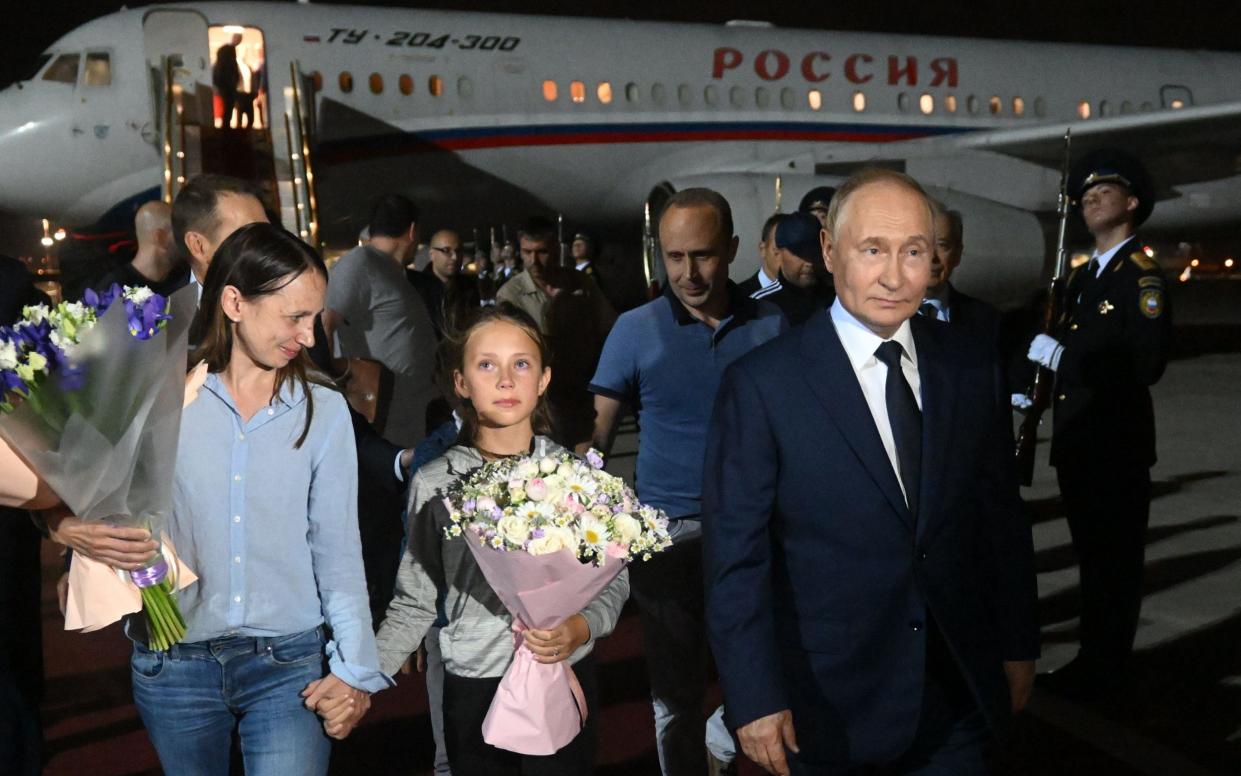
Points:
(477, 642)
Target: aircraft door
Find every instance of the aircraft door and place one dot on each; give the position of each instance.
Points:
(179, 39)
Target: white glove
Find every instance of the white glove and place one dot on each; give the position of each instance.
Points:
(1022, 402)
(1046, 350)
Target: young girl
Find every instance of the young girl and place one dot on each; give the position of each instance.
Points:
(500, 373)
(264, 510)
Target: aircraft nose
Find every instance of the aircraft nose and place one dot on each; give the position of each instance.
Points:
(32, 174)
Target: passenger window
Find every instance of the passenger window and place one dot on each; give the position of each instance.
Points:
(1040, 107)
(971, 104)
(550, 91)
(859, 101)
(316, 78)
(63, 70)
(659, 94)
(950, 103)
(406, 84)
(787, 100)
(435, 85)
(346, 82)
(683, 94)
(377, 83)
(604, 92)
(631, 92)
(815, 98)
(98, 69)
(710, 95)
(1083, 109)
(577, 91)
(736, 96)
(926, 103)
(995, 106)
(1019, 106)
(762, 97)
(902, 102)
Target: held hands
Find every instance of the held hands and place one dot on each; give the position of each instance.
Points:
(552, 646)
(1046, 351)
(765, 739)
(123, 548)
(340, 705)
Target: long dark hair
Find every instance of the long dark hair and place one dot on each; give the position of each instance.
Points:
(451, 359)
(257, 259)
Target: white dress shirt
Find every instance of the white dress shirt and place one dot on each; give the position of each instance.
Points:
(763, 280)
(1106, 256)
(860, 344)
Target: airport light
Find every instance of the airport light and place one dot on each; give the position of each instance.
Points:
(60, 235)
(47, 242)
(1228, 263)
(1193, 262)
(1184, 276)
(1149, 251)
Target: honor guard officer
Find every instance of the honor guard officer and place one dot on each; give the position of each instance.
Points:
(817, 201)
(1110, 347)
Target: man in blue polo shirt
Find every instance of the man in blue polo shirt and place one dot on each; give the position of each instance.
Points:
(665, 359)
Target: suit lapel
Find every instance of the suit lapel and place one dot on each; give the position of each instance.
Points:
(834, 383)
(937, 391)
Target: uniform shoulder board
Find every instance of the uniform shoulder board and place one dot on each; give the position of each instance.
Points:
(1150, 281)
(1143, 261)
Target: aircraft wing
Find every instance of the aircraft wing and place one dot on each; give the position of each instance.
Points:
(1179, 147)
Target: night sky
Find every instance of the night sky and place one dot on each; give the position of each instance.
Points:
(1213, 24)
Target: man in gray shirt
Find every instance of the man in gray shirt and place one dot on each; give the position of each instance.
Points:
(374, 313)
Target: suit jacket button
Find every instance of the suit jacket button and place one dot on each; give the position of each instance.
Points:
(1061, 397)
(1073, 327)
(916, 625)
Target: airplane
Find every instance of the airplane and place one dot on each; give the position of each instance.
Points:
(486, 118)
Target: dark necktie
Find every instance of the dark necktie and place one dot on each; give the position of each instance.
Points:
(905, 419)
(929, 310)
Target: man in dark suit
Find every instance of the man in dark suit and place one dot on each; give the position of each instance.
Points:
(768, 272)
(1110, 346)
(869, 568)
(943, 301)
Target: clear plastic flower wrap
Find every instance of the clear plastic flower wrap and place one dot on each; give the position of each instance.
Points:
(92, 399)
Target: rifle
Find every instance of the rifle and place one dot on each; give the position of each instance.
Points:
(1042, 386)
(566, 258)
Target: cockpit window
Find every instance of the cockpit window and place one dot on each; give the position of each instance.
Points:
(34, 69)
(98, 69)
(64, 69)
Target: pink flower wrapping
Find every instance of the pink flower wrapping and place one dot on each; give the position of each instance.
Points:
(538, 708)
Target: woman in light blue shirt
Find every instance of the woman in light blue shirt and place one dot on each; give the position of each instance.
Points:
(264, 511)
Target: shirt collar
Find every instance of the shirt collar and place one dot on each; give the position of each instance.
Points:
(1106, 256)
(741, 307)
(860, 343)
(763, 279)
(290, 395)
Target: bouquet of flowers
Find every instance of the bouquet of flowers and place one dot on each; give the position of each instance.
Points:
(549, 533)
(90, 396)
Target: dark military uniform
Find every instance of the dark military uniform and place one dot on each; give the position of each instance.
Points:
(1116, 332)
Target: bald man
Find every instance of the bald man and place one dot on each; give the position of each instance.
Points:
(156, 264)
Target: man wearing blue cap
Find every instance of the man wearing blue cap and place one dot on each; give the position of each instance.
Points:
(804, 286)
(1109, 347)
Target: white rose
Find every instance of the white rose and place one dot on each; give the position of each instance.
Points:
(527, 469)
(627, 528)
(547, 465)
(553, 540)
(514, 528)
(565, 470)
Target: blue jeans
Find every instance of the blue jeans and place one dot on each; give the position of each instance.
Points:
(192, 697)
